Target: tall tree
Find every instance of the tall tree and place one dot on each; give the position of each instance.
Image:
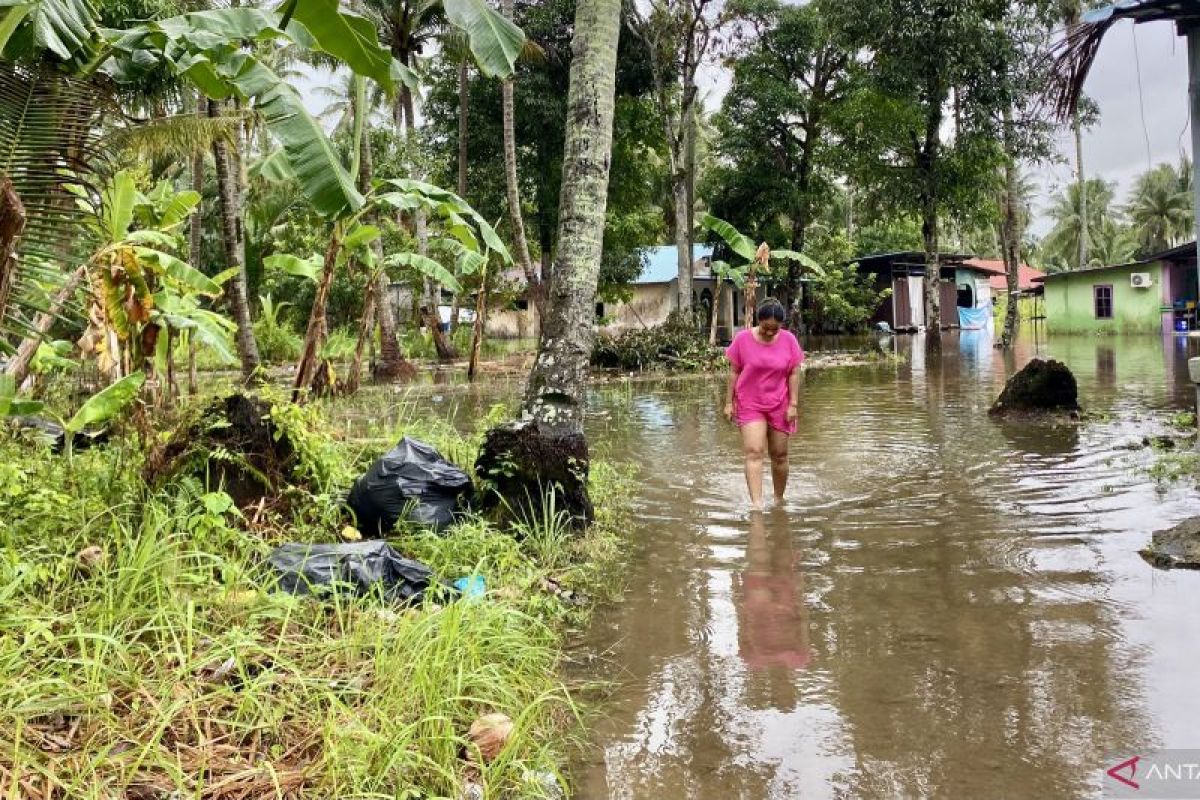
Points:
(778, 126)
(923, 54)
(549, 448)
(678, 34)
(638, 169)
(512, 188)
(231, 195)
(556, 392)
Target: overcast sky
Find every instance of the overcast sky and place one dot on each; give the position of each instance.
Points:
(1115, 149)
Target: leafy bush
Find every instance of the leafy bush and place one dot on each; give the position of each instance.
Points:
(676, 344)
(277, 340)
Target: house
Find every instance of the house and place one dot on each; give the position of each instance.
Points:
(1029, 285)
(966, 284)
(655, 294)
(1154, 295)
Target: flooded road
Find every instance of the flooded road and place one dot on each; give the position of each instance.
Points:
(944, 607)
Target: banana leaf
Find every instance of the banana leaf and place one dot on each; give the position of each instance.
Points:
(427, 267)
(739, 242)
(494, 41)
(107, 403)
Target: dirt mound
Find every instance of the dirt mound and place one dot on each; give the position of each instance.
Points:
(234, 445)
(1041, 386)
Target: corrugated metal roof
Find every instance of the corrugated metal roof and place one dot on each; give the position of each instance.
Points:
(662, 265)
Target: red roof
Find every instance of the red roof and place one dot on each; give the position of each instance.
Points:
(997, 277)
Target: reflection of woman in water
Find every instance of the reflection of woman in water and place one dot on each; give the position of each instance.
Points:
(772, 625)
(764, 389)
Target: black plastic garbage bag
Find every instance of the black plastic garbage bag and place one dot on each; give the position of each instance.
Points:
(412, 481)
(358, 567)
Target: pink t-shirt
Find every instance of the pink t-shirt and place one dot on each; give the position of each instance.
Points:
(763, 370)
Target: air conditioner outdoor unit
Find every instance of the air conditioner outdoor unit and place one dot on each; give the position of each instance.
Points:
(1140, 280)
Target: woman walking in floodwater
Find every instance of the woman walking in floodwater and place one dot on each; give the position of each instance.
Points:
(764, 389)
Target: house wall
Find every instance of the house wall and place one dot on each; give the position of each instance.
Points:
(1070, 307)
(512, 323)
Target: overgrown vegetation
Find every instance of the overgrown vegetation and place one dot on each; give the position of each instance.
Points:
(142, 653)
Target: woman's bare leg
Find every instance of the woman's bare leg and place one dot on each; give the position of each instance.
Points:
(777, 446)
(754, 446)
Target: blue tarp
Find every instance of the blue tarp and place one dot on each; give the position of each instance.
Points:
(974, 319)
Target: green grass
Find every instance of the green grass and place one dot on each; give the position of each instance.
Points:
(157, 664)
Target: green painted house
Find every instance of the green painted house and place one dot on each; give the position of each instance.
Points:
(1156, 295)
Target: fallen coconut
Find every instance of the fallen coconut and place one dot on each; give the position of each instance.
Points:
(91, 559)
(490, 734)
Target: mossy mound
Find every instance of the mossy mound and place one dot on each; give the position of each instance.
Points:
(522, 463)
(1042, 386)
(1177, 547)
(234, 446)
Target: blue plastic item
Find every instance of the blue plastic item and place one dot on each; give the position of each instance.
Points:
(472, 586)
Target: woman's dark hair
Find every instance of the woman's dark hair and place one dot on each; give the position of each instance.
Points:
(770, 309)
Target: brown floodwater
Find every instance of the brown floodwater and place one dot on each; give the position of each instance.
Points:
(946, 606)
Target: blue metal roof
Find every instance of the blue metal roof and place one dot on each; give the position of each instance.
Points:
(662, 264)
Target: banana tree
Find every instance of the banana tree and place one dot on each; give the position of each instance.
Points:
(206, 48)
(137, 288)
(757, 259)
(466, 234)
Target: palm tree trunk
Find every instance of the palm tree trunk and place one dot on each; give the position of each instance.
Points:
(365, 329)
(445, 352)
(480, 321)
(1010, 238)
(556, 393)
(1079, 179)
(520, 244)
(392, 364)
(679, 194)
(195, 252)
(232, 233)
(463, 104)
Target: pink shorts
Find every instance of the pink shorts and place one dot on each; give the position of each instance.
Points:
(776, 418)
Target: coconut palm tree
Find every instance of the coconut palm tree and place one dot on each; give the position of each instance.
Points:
(1074, 213)
(1112, 243)
(1160, 209)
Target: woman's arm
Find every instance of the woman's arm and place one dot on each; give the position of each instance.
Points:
(793, 394)
(729, 394)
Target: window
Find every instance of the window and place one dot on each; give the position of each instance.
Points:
(1103, 300)
(599, 311)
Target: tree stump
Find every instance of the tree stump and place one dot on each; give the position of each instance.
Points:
(521, 462)
(1042, 386)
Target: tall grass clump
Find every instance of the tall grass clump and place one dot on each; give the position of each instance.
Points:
(143, 653)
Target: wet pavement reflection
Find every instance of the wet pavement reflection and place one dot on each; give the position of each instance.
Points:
(945, 606)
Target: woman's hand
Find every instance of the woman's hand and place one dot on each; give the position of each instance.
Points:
(729, 411)
(792, 413)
